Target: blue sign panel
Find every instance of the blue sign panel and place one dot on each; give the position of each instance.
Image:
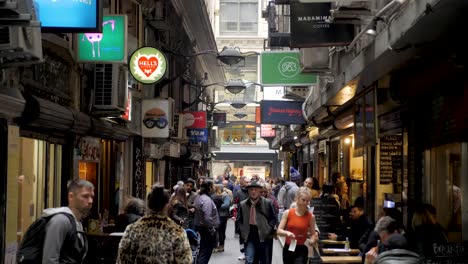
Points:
(196, 135)
(74, 15)
(281, 112)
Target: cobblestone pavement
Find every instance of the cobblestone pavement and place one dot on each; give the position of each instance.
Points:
(231, 249)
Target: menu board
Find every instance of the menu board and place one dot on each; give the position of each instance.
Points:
(326, 213)
(449, 253)
(391, 158)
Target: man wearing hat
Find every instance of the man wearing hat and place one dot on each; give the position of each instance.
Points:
(257, 221)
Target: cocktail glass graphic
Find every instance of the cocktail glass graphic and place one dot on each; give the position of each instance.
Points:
(97, 37)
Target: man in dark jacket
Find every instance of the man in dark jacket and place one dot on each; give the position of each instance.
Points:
(257, 221)
(393, 246)
(206, 221)
(358, 226)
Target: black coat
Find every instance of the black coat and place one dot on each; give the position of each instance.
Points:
(123, 220)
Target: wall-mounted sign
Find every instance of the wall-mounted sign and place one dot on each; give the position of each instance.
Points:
(250, 171)
(258, 115)
(127, 115)
(68, 16)
(108, 46)
(196, 119)
(89, 149)
(283, 69)
(391, 159)
(138, 183)
(310, 26)
(155, 115)
(148, 65)
(219, 119)
(267, 131)
(281, 112)
(196, 135)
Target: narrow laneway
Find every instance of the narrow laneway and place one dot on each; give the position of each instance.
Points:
(231, 249)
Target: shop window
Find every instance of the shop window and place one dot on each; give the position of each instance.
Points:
(443, 186)
(38, 180)
(239, 135)
(238, 17)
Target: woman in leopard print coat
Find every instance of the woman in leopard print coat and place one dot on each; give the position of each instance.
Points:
(155, 238)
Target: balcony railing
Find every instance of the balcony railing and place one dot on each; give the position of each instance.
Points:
(279, 24)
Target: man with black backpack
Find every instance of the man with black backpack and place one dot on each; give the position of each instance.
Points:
(57, 237)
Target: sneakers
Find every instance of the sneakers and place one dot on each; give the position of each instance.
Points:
(218, 249)
(241, 257)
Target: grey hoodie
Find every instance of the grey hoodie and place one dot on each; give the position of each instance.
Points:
(287, 194)
(56, 233)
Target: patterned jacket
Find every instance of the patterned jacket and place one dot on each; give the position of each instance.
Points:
(154, 239)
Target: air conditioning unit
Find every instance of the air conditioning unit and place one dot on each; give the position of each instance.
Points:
(153, 151)
(110, 89)
(362, 4)
(298, 93)
(171, 149)
(351, 11)
(178, 131)
(16, 12)
(315, 60)
(20, 45)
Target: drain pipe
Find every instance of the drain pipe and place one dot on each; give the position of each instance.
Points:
(382, 11)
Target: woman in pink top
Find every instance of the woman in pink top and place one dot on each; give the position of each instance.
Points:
(296, 225)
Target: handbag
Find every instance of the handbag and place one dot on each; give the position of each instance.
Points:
(314, 254)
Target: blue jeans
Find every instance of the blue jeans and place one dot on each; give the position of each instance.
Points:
(256, 251)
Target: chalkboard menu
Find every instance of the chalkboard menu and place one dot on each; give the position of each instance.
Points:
(391, 158)
(449, 253)
(326, 213)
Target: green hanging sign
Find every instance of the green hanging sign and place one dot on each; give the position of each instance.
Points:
(108, 46)
(283, 69)
(148, 65)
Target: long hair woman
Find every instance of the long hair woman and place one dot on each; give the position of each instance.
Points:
(155, 238)
(297, 224)
(178, 210)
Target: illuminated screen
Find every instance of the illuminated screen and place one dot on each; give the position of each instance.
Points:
(68, 15)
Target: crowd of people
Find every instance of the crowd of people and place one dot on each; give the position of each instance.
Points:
(263, 210)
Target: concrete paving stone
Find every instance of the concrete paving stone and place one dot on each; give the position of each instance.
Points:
(232, 252)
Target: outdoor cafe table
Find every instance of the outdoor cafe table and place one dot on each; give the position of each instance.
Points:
(340, 251)
(332, 242)
(341, 259)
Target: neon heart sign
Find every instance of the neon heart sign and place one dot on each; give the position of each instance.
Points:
(148, 65)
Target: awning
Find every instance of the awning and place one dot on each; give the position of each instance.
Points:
(107, 130)
(46, 115)
(53, 119)
(11, 102)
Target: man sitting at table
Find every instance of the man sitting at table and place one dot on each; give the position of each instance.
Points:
(359, 224)
(393, 246)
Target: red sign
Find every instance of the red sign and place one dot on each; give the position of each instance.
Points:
(267, 131)
(258, 119)
(195, 119)
(128, 110)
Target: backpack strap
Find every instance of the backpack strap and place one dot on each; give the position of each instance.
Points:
(72, 236)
